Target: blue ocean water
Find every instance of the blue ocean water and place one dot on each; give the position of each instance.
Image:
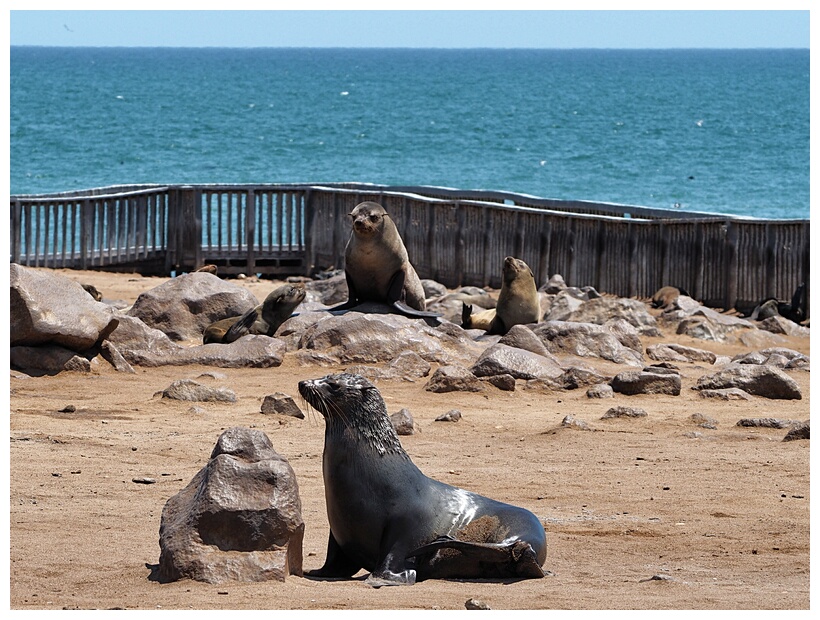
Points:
(722, 131)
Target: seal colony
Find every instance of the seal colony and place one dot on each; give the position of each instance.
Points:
(387, 517)
(377, 267)
(518, 301)
(263, 319)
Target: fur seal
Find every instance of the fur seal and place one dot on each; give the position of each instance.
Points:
(387, 517)
(518, 301)
(377, 267)
(263, 319)
(794, 311)
(667, 295)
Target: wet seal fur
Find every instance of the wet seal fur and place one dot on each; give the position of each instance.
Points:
(387, 517)
(263, 319)
(377, 267)
(518, 302)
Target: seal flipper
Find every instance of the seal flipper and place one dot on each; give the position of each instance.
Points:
(515, 553)
(466, 315)
(242, 326)
(337, 564)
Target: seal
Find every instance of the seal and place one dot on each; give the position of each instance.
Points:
(518, 301)
(263, 319)
(667, 295)
(387, 517)
(377, 267)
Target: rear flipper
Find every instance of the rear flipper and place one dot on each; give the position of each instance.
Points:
(242, 327)
(516, 553)
(431, 318)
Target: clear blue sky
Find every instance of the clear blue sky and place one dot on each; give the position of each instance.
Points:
(499, 29)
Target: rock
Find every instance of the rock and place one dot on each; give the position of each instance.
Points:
(239, 519)
(562, 306)
(184, 306)
(474, 603)
(626, 333)
(670, 352)
(575, 377)
(800, 431)
(450, 306)
(640, 382)
(602, 390)
(585, 340)
(113, 356)
(433, 289)
(603, 309)
(707, 324)
(765, 423)
(703, 421)
(403, 422)
(187, 389)
(503, 382)
(522, 337)
(624, 412)
(781, 325)
(283, 404)
(775, 356)
(726, 394)
(554, 285)
(454, 415)
(356, 337)
(766, 381)
(46, 308)
(328, 291)
(571, 421)
(48, 359)
(500, 359)
(132, 334)
(453, 379)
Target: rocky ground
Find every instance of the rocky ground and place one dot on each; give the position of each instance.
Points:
(678, 509)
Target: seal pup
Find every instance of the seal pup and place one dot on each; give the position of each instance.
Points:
(377, 267)
(263, 319)
(518, 301)
(387, 517)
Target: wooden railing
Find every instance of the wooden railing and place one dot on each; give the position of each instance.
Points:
(452, 236)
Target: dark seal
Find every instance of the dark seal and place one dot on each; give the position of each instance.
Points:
(377, 267)
(390, 519)
(263, 319)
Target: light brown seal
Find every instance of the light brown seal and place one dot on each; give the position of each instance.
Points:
(387, 517)
(377, 267)
(263, 319)
(518, 301)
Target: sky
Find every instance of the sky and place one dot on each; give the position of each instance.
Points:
(412, 28)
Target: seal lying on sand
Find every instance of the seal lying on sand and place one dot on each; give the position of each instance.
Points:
(389, 518)
(377, 267)
(263, 319)
(794, 311)
(518, 301)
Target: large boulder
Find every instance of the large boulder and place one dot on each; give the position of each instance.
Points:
(362, 338)
(184, 306)
(47, 308)
(604, 309)
(240, 517)
(145, 346)
(585, 340)
(501, 359)
(767, 381)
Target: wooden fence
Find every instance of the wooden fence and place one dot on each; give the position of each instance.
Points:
(455, 237)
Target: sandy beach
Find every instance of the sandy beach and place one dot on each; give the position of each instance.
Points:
(649, 513)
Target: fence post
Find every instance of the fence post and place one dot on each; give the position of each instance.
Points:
(16, 211)
(86, 231)
(250, 229)
(731, 266)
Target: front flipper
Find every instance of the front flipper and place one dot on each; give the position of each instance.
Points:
(337, 564)
(392, 572)
(242, 327)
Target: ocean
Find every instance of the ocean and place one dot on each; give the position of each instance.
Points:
(718, 131)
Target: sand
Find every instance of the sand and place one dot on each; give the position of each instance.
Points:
(650, 513)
